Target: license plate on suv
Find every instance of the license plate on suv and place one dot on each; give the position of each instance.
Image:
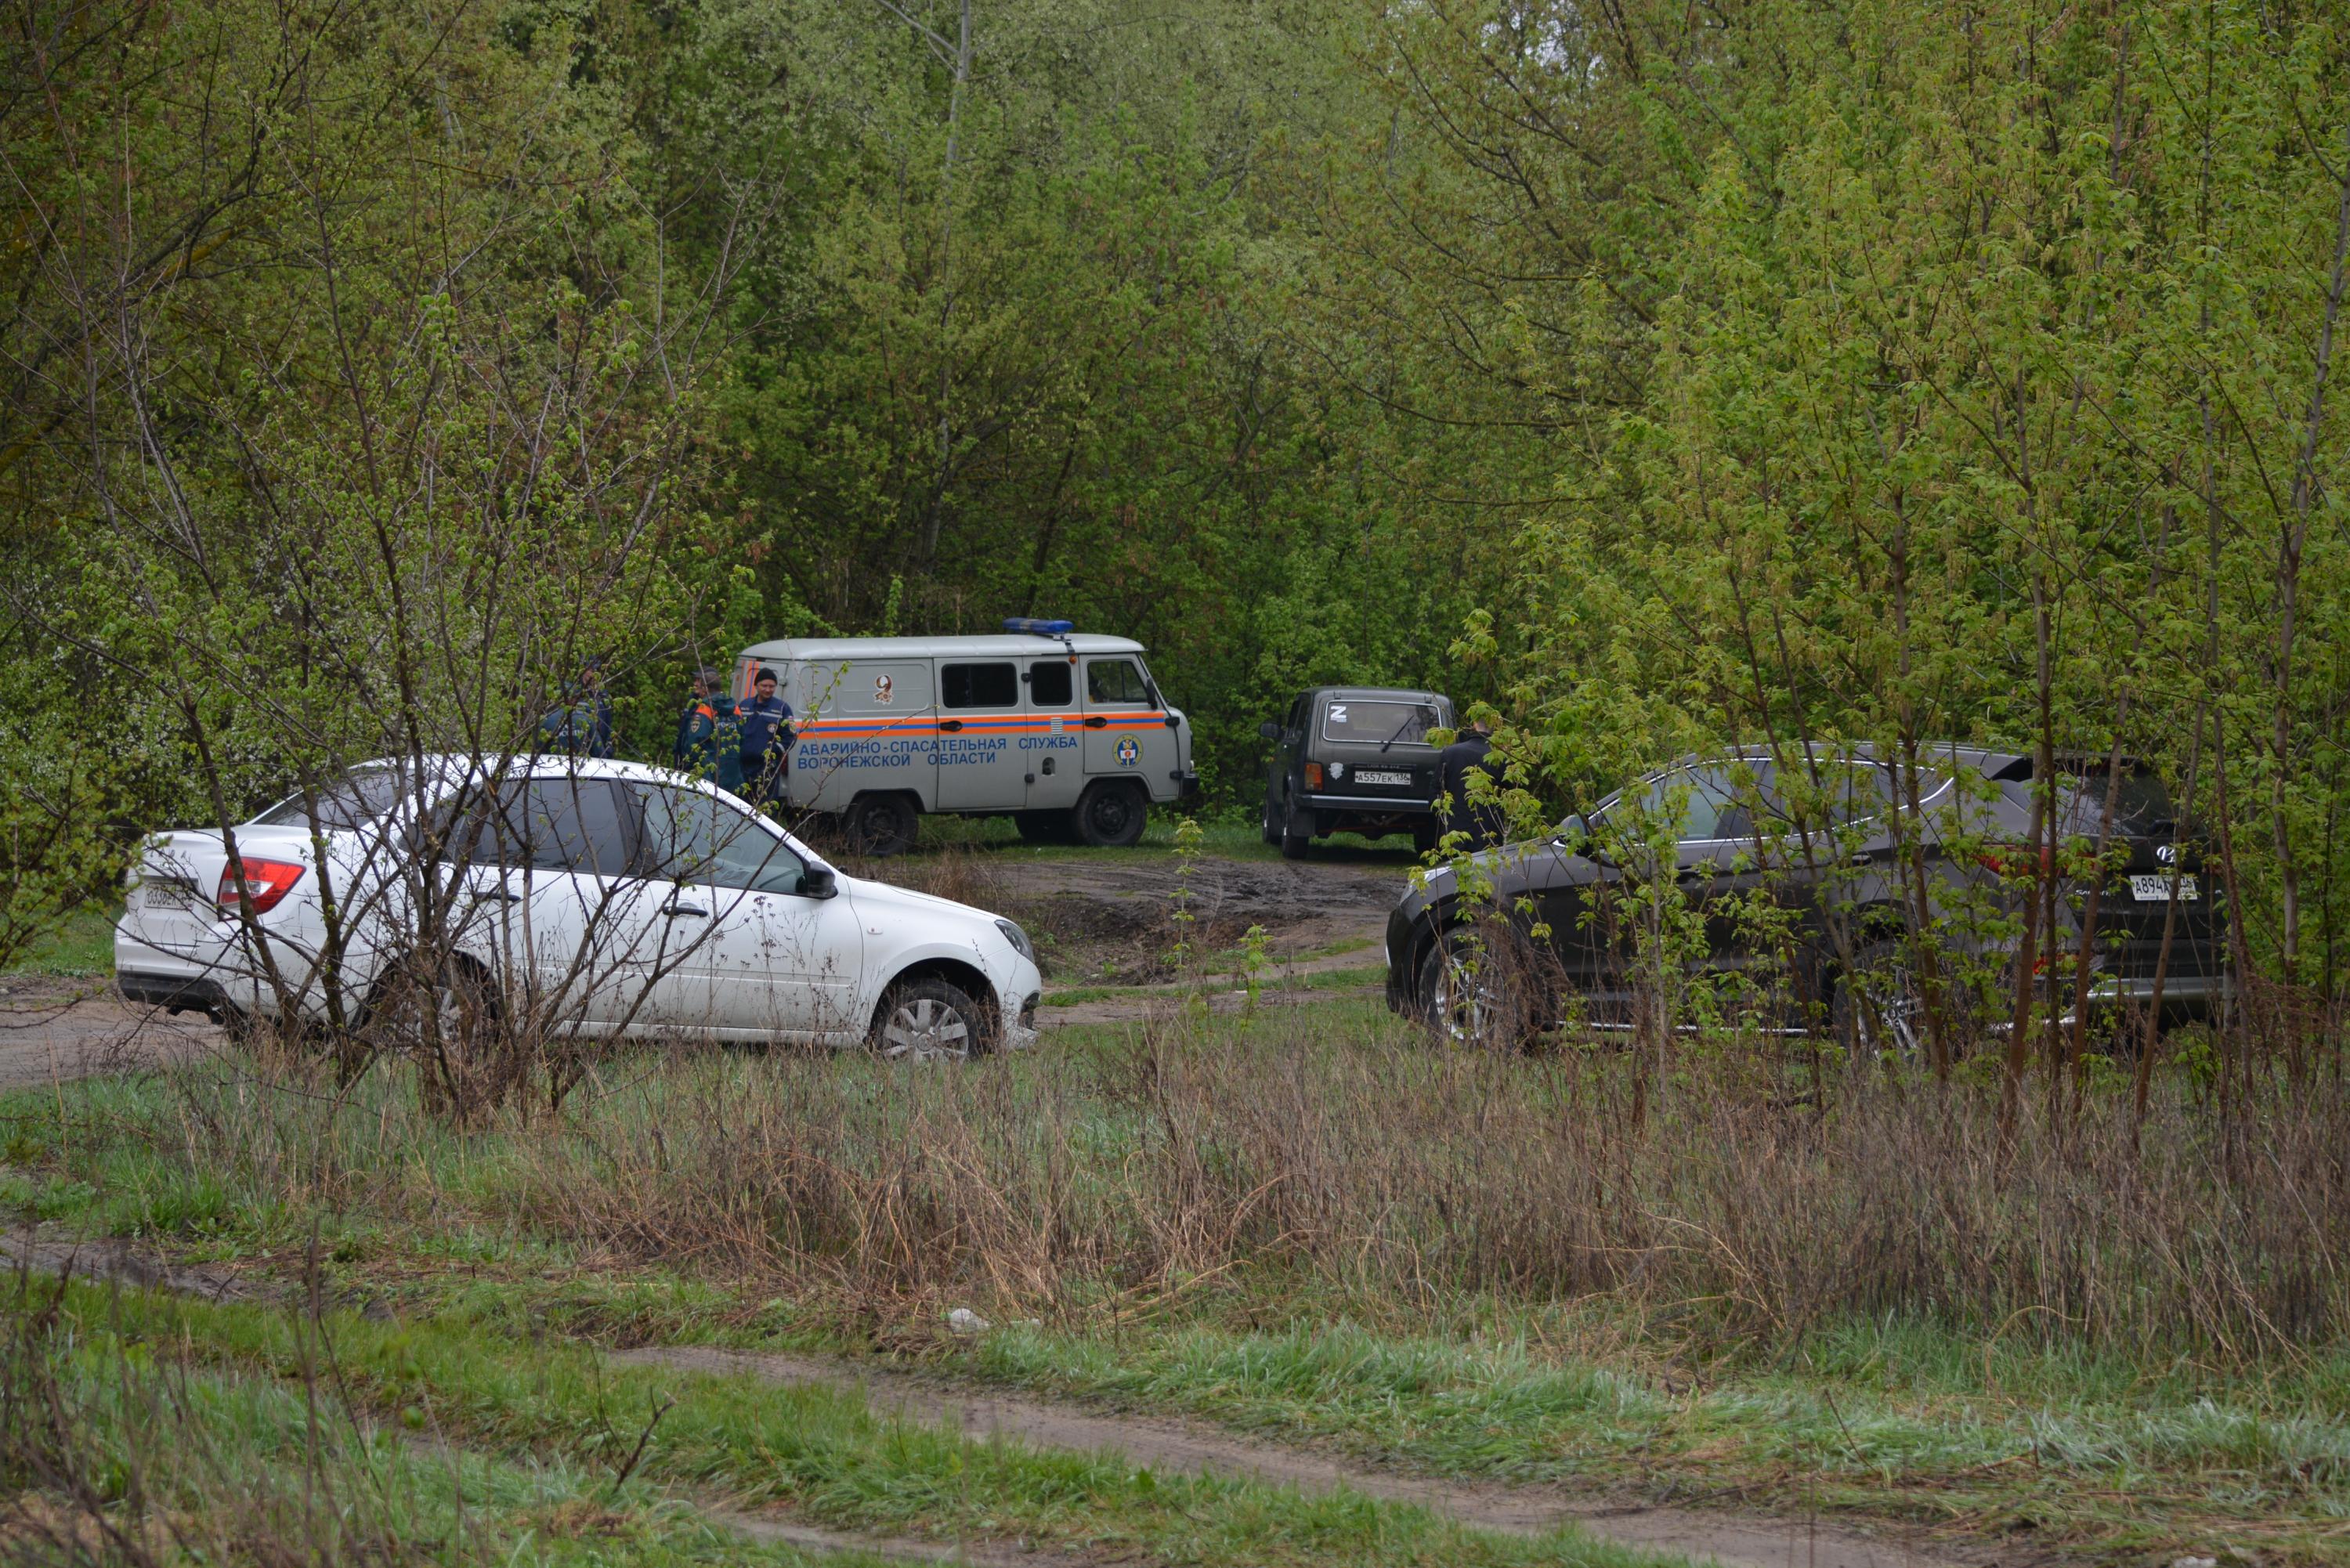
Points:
(1373, 776)
(2155, 889)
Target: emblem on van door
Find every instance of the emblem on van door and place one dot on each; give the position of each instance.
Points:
(885, 689)
(1129, 751)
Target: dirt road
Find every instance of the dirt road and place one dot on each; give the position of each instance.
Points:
(1182, 1447)
(1111, 919)
(52, 1030)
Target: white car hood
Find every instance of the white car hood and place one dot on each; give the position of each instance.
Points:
(875, 899)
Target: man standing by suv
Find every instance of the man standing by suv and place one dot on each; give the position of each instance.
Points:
(1482, 821)
(766, 748)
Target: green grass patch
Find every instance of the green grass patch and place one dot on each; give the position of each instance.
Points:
(830, 1202)
(82, 947)
(182, 1461)
(820, 1453)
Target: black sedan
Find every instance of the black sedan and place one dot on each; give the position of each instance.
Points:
(1784, 878)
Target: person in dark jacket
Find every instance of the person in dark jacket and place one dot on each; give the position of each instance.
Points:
(766, 748)
(582, 726)
(1482, 820)
(695, 750)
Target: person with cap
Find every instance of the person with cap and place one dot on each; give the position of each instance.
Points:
(1481, 820)
(582, 725)
(766, 744)
(707, 711)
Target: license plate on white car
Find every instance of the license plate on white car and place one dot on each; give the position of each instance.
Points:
(169, 893)
(2155, 889)
(1372, 776)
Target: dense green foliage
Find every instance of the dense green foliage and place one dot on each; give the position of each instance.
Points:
(1660, 374)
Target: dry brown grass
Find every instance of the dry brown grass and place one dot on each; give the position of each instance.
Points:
(1399, 1178)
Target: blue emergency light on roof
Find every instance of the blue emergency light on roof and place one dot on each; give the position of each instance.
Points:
(1039, 628)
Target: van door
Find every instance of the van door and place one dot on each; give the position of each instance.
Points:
(1052, 751)
(980, 717)
(1125, 732)
(875, 729)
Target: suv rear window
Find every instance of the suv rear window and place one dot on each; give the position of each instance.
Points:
(2141, 804)
(1379, 721)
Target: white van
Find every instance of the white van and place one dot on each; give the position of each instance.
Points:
(1065, 732)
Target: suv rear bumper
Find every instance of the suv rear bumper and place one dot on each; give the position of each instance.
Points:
(1397, 805)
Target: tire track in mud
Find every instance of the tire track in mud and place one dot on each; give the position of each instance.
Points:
(1182, 1446)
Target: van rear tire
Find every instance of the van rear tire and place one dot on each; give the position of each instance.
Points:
(1111, 815)
(880, 824)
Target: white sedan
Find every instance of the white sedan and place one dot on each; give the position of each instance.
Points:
(596, 897)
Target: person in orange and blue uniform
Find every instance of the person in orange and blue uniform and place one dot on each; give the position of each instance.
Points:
(709, 743)
(766, 748)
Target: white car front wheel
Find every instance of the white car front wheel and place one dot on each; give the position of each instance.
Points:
(930, 1020)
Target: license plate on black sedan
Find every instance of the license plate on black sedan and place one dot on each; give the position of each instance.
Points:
(2155, 889)
(1374, 776)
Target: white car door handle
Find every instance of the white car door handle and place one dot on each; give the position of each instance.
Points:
(674, 910)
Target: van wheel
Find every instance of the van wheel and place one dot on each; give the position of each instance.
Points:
(881, 824)
(1111, 817)
(930, 1020)
(1294, 845)
(1425, 837)
(1269, 826)
(1044, 826)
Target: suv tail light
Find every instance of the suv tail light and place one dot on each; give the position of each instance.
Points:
(268, 881)
(1313, 775)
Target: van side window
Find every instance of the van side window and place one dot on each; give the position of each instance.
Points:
(1050, 685)
(1115, 681)
(978, 686)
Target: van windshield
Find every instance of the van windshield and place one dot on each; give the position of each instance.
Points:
(1379, 721)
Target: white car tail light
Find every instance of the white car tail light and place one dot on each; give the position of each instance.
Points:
(268, 882)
